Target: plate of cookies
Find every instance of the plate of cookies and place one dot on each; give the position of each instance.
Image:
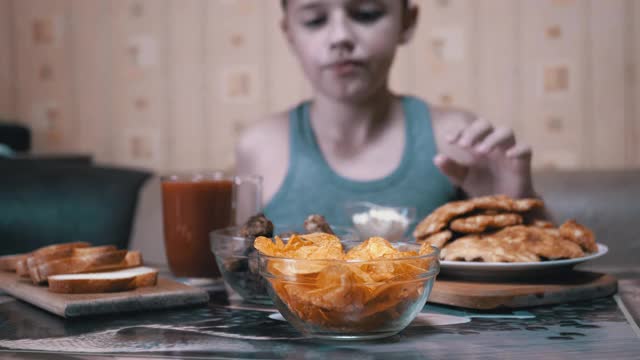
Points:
(498, 236)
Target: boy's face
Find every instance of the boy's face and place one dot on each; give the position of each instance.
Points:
(346, 47)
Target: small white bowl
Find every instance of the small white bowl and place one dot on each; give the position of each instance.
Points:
(389, 222)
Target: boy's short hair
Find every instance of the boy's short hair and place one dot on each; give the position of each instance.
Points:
(405, 3)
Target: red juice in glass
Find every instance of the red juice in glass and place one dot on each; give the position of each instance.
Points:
(193, 206)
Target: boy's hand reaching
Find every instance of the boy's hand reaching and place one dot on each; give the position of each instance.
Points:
(494, 163)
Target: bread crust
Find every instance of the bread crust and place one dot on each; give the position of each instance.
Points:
(114, 281)
(10, 262)
(112, 260)
(55, 252)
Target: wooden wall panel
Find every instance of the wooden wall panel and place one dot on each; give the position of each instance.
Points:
(214, 126)
(444, 52)
(91, 74)
(140, 82)
(242, 89)
(497, 62)
(552, 82)
(7, 67)
(287, 84)
(608, 72)
(633, 118)
(121, 70)
(229, 85)
(43, 68)
(187, 85)
(170, 84)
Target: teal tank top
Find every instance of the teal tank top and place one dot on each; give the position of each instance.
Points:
(312, 187)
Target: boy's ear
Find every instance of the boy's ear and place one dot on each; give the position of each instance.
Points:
(285, 28)
(410, 21)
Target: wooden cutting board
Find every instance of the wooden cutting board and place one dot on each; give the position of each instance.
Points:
(166, 294)
(487, 295)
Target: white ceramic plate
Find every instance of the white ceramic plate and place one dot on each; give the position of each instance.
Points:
(531, 269)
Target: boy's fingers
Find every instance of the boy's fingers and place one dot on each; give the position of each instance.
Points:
(475, 133)
(453, 136)
(519, 151)
(451, 169)
(499, 138)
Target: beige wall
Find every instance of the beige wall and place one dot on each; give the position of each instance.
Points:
(168, 84)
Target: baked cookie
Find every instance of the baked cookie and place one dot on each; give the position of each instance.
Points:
(479, 223)
(441, 217)
(580, 235)
(512, 244)
(438, 239)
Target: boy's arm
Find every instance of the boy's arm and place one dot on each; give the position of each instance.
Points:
(263, 149)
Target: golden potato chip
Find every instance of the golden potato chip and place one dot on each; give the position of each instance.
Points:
(293, 295)
(294, 269)
(372, 248)
(393, 295)
(362, 276)
(426, 249)
(408, 267)
(335, 289)
(266, 246)
(338, 288)
(378, 270)
(279, 243)
(322, 239)
(402, 267)
(328, 246)
(294, 243)
(401, 254)
(313, 246)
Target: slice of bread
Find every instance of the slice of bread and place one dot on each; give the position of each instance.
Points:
(101, 282)
(51, 249)
(21, 268)
(64, 251)
(132, 259)
(10, 262)
(82, 251)
(50, 252)
(112, 260)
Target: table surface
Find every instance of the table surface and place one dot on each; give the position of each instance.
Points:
(599, 329)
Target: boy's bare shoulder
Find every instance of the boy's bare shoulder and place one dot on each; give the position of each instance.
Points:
(263, 148)
(273, 128)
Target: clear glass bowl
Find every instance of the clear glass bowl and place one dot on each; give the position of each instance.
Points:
(350, 299)
(389, 222)
(237, 259)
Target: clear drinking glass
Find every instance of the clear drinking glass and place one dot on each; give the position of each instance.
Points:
(193, 205)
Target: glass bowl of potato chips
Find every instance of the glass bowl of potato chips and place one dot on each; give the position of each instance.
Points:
(237, 259)
(346, 290)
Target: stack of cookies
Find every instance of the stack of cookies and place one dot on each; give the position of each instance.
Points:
(501, 229)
